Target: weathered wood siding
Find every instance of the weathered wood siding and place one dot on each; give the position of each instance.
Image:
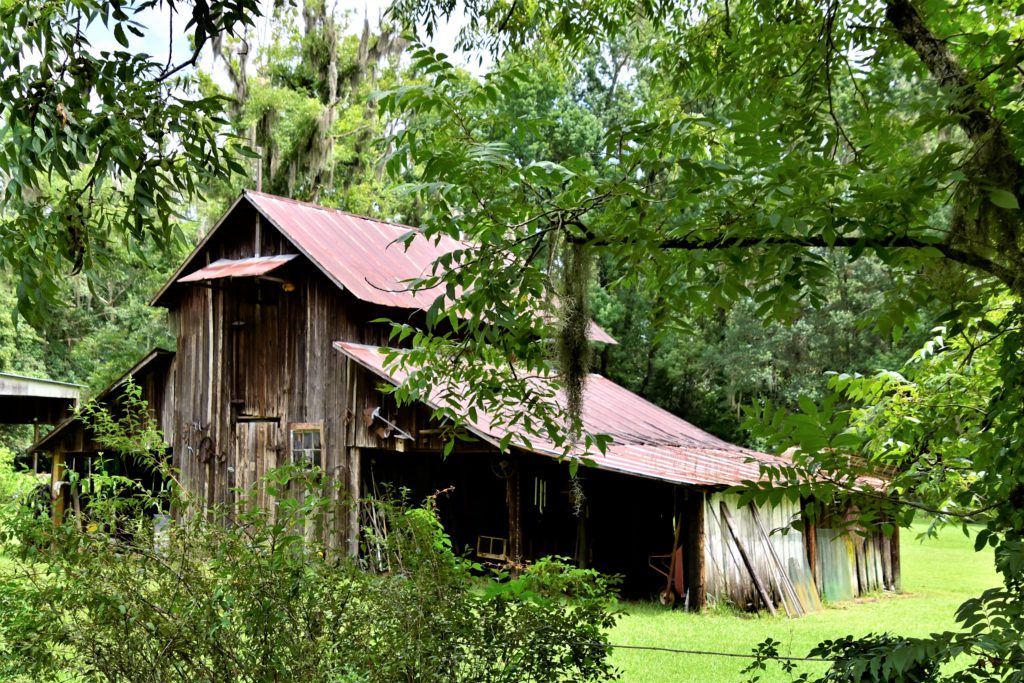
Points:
(726, 573)
(255, 357)
(846, 564)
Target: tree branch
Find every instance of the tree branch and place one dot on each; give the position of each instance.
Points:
(976, 120)
(995, 164)
(953, 253)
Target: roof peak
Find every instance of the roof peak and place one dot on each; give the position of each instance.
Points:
(332, 209)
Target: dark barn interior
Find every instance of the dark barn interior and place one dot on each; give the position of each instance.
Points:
(620, 524)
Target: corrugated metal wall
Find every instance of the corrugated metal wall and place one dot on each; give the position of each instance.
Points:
(740, 541)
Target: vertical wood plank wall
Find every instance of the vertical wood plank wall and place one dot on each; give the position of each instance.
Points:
(254, 358)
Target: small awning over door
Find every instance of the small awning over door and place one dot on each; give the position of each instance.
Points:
(244, 267)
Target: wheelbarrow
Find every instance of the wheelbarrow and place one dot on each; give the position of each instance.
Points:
(671, 567)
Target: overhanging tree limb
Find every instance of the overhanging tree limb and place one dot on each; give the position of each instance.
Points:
(993, 164)
(692, 243)
(975, 119)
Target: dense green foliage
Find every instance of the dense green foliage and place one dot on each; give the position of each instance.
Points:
(304, 99)
(100, 148)
(248, 595)
(779, 146)
(13, 485)
(797, 185)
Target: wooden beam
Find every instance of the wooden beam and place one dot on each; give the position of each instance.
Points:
(811, 537)
(695, 586)
(354, 478)
(515, 528)
(35, 440)
(57, 487)
(885, 550)
(897, 583)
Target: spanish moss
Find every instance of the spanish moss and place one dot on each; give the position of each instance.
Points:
(573, 345)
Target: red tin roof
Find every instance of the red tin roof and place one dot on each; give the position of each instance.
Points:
(647, 441)
(359, 254)
(245, 267)
(362, 255)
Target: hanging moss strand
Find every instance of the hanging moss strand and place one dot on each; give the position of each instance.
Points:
(573, 345)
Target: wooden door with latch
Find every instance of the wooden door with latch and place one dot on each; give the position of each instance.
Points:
(258, 449)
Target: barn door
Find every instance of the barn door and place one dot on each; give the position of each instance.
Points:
(258, 448)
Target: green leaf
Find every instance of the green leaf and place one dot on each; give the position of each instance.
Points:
(119, 35)
(1003, 199)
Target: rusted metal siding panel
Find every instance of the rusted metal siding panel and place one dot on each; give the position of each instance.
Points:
(838, 565)
(852, 564)
(727, 576)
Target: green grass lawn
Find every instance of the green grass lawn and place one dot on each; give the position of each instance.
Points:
(938, 574)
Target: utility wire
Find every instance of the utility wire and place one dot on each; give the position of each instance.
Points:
(741, 655)
(712, 653)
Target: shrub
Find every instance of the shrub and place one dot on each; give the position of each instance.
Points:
(13, 484)
(558, 577)
(247, 594)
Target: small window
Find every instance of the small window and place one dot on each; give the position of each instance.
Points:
(306, 445)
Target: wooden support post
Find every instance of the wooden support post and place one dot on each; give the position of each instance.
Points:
(811, 546)
(57, 487)
(354, 479)
(35, 440)
(885, 551)
(582, 554)
(696, 593)
(515, 528)
(758, 584)
(861, 556)
(897, 584)
(76, 505)
(812, 551)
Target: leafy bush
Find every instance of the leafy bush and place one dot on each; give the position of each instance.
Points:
(558, 577)
(881, 657)
(874, 658)
(248, 594)
(13, 484)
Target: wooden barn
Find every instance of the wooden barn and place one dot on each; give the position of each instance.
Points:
(279, 360)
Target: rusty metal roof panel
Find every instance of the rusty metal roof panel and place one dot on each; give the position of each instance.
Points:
(245, 267)
(359, 254)
(367, 256)
(647, 441)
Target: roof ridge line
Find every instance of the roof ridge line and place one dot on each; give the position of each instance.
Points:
(321, 207)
